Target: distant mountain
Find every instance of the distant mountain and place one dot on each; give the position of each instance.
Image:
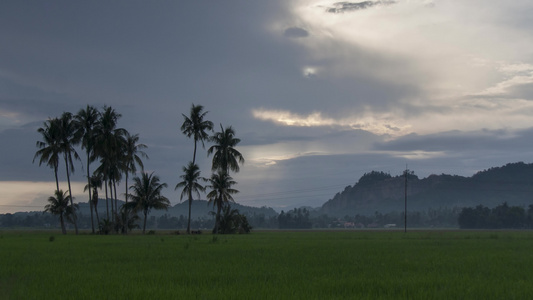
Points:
(379, 191)
(200, 209)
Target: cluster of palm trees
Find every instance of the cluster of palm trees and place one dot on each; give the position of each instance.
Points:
(225, 159)
(118, 152)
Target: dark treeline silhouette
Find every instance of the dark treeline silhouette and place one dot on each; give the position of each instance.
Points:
(117, 154)
(500, 217)
(297, 218)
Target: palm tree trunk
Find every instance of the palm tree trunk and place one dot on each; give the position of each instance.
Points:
(106, 199)
(217, 221)
(117, 216)
(145, 216)
(190, 195)
(110, 182)
(96, 213)
(116, 200)
(90, 193)
(62, 221)
(126, 212)
(194, 153)
(189, 221)
(55, 173)
(74, 219)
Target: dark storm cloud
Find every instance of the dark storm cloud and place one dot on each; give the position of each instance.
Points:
(295, 32)
(342, 7)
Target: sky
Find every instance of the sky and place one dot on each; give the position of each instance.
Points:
(319, 92)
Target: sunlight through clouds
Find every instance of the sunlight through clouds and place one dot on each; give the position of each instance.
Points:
(378, 124)
(33, 196)
(453, 52)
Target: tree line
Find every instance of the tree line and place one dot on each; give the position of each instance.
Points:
(298, 218)
(119, 153)
(502, 216)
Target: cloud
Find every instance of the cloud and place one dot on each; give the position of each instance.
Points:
(295, 32)
(517, 82)
(377, 124)
(457, 142)
(342, 7)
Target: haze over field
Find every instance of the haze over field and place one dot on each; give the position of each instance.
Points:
(319, 92)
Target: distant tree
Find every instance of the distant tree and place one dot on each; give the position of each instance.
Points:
(50, 145)
(500, 217)
(85, 124)
(109, 147)
(146, 195)
(59, 205)
(297, 218)
(195, 126)
(132, 152)
(68, 140)
(221, 193)
(373, 177)
(105, 226)
(190, 185)
(231, 221)
(95, 183)
(126, 221)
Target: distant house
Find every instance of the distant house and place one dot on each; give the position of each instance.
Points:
(372, 225)
(349, 225)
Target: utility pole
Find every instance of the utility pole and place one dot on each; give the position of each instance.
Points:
(405, 211)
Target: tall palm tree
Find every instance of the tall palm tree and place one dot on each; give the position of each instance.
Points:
(86, 121)
(146, 195)
(225, 157)
(108, 147)
(221, 191)
(95, 183)
(130, 160)
(59, 205)
(50, 146)
(132, 156)
(194, 125)
(68, 140)
(190, 185)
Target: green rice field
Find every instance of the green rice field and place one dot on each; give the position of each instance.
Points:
(268, 265)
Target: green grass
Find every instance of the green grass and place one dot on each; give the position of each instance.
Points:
(268, 265)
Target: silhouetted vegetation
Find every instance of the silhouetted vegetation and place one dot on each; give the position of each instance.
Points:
(297, 218)
(378, 191)
(119, 153)
(500, 217)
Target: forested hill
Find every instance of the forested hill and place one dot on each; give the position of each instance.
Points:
(379, 191)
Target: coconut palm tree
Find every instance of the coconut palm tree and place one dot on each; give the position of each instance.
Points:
(109, 148)
(130, 161)
(59, 205)
(50, 146)
(95, 183)
(194, 125)
(231, 221)
(68, 140)
(220, 194)
(85, 122)
(225, 156)
(132, 156)
(146, 195)
(125, 221)
(190, 185)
